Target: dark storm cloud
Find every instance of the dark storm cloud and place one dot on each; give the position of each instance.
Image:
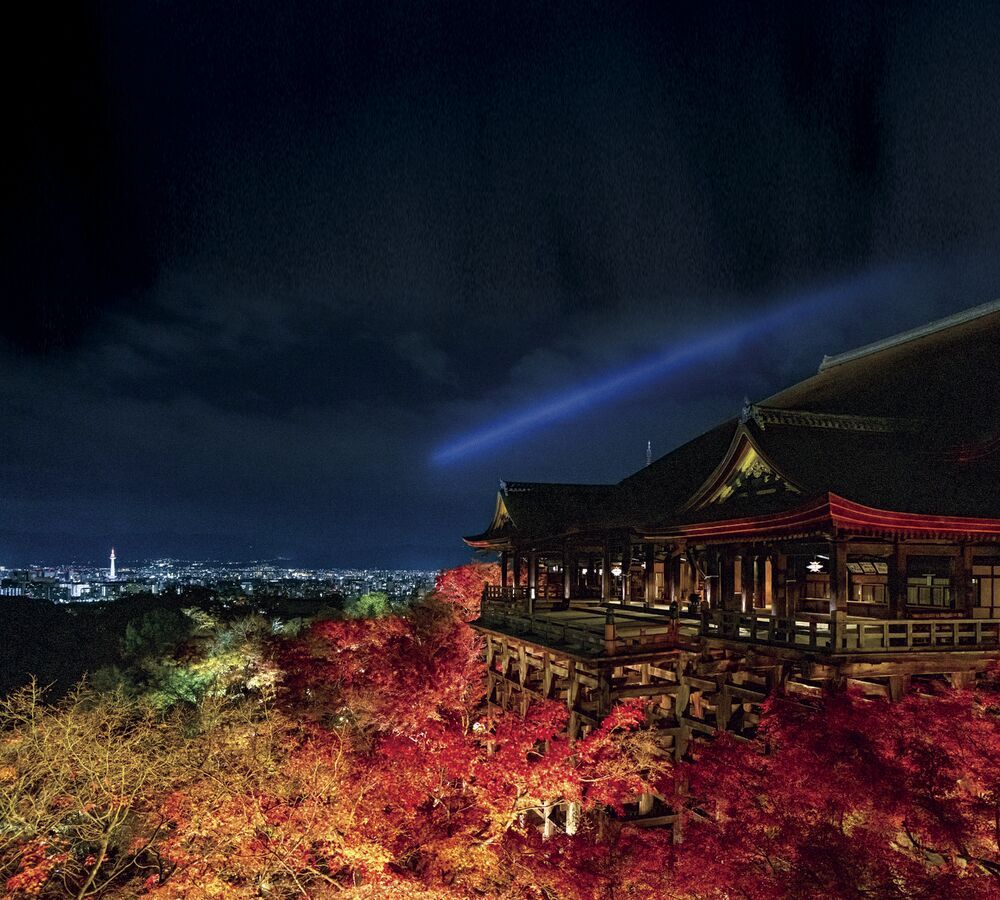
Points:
(259, 263)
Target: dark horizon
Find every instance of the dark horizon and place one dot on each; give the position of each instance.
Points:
(260, 273)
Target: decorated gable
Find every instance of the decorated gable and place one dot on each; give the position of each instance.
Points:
(745, 473)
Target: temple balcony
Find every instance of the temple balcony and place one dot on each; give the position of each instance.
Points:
(585, 627)
(611, 629)
(813, 632)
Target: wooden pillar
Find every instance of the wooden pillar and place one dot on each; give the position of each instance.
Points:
(610, 632)
(517, 567)
(838, 589)
(746, 581)
(779, 604)
(723, 707)
(572, 817)
(603, 692)
(626, 570)
(776, 679)
(727, 581)
(962, 680)
(548, 826)
(606, 571)
(838, 576)
(572, 692)
(532, 580)
(962, 581)
(650, 595)
(898, 686)
(568, 563)
(503, 568)
(678, 590)
(713, 581)
(897, 582)
(548, 676)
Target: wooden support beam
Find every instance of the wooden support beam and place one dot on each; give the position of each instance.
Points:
(699, 726)
(723, 708)
(572, 685)
(548, 826)
(646, 690)
(681, 700)
(652, 821)
(745, 693)
(898, 686)
(548, 676)
(702, 684)
(961, 680)
(682, 740)
(603, 698)
(572, 817)
(776, 679)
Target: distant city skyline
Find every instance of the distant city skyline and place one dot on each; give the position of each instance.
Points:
(277, 562)
(86, 582)
(124, 560)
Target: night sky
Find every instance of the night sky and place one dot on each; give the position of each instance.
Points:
(262, 262)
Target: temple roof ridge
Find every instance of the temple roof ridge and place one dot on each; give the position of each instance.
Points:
(904, 337)
(511, 486)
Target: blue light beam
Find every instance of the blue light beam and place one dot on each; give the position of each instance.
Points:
(671, 360)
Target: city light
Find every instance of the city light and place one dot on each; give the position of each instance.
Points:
(227, 581)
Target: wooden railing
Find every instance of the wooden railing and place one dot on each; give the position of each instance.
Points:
(905, 635)
(513, 620)
(853, 635)
(637, 638)
(620, 635)
(809, 631)
(507, 609)
(496, 593)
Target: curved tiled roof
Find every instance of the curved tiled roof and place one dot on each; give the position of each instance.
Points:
(906, 424)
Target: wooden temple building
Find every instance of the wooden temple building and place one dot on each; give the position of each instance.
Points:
(843, 531)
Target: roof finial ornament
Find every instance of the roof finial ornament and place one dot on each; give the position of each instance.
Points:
(747, 412)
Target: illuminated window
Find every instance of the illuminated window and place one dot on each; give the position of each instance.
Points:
(986, 581)
(928, 581)
(868, 580)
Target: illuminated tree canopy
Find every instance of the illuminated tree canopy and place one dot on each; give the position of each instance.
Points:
(356, 760)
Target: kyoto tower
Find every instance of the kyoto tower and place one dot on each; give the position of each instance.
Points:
(111, 573)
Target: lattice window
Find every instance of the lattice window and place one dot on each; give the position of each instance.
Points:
(986, 580)
(928, 582)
